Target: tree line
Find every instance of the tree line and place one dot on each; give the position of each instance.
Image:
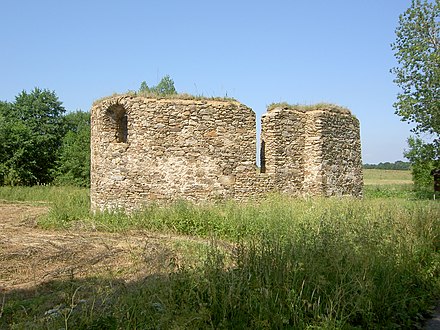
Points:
(398, 165)
(41, 143)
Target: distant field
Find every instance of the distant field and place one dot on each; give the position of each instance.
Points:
(374, 177)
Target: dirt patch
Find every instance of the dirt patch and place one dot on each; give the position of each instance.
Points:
(31, 256)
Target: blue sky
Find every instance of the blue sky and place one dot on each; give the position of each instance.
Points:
(258, 52)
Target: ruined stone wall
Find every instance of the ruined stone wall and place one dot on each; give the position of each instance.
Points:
(283, 141)
(189, 149)
(332, 153)
(341, 163)
(146, 149)
(313, 150)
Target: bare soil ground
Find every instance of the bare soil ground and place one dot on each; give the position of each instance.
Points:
(30, 256)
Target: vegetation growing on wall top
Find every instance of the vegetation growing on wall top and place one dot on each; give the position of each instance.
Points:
(166, 89)
(301, 107)
(178, 96)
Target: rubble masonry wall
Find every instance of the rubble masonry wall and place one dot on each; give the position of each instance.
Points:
(147, 149)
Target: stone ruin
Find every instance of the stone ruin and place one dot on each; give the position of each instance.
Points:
(147, 150)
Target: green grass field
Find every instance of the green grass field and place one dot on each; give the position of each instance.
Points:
(387, 177)
(295, 263)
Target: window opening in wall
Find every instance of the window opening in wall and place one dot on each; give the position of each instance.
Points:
(263, 157)
(122, 128)
(118, 122)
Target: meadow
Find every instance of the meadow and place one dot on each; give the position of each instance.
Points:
(306, 263)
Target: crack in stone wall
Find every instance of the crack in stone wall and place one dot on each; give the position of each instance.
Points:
(158, 150)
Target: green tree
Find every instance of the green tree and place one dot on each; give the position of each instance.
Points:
(417, 51)
(144, 87)
(73, 164)
(5, 140)
(422, 157)
(30, 136)
(164, 88)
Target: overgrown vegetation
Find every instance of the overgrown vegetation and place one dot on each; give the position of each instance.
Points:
(73, 161)
(301, 107)
(417, 51)
(296, 263)
(164, 88)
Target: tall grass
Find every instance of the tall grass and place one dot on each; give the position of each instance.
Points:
(297, 264)
(67, 204)
(333, 265)
(48, 194)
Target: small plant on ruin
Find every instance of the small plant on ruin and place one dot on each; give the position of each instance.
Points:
(164, 88)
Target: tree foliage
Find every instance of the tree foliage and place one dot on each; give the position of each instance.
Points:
(164, 88)
(144, 87)
(30, 136)
(73, 164)
(40, 144)
(422, 157)
(417, 51)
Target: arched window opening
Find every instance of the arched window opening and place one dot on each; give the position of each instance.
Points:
(118, 122)
(263, 157)
(122, 128)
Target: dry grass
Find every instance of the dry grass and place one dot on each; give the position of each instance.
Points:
(303, 108)
(31, 256)
(179, 96)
